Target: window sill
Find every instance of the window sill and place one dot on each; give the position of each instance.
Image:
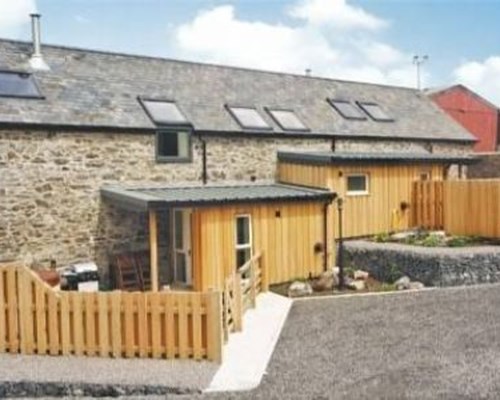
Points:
(173, 160)
(357, 194)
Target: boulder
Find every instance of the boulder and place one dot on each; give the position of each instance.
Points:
(355, 284)
(403, 235)
(416, 285)
(326, 281)
(402, 283)
(297, 289)
(361, 275)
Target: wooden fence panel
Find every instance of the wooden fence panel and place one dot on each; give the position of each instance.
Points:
(36, 319)
(472, 208)
(427, 204)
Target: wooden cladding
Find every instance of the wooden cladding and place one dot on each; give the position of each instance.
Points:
(34, 319)
(286, 233)
(387, 205)
(470, 208)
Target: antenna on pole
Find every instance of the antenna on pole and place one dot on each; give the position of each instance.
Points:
(418, 61)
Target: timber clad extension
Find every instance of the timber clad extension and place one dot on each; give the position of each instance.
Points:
(106, 120)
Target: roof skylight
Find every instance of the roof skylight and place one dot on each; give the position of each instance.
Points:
(164, 112)
(347, 109)
(249, 118)
(18, 84)
(287, 120)
(374, 111)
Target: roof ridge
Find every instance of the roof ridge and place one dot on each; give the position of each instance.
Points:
(206, 64)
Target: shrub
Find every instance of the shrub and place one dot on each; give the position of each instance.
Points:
(431, 241)
(382, 237)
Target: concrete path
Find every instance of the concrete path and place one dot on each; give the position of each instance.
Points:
(247, 353)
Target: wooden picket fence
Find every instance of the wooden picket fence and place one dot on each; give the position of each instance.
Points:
(241, 291)
(35, 319)
(462, 207)
(427, 204)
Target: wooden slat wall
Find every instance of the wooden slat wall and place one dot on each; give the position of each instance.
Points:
(286, 241)
(375, 213)
(36, 319)
(472, 207)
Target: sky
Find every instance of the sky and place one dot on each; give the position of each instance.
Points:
(363, 40)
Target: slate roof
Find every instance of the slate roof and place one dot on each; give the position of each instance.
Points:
(339, 158)
(91, 89)
(142, 199)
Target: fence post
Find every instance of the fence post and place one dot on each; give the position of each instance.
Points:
(264, 274)
(253, 291)
(214, 326)
(238, 303)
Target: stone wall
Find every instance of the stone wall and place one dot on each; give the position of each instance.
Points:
(50, 206)
(431, 266)
(487, 167)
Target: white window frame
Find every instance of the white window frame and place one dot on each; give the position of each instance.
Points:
(245, 246)
(358, 192)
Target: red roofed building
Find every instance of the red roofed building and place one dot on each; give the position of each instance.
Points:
(473, 112)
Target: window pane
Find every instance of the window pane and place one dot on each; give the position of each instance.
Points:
(18, 85)
(374, 111)
(347, 109)
(356, 183)
(183, 144)
(288, 120)
(249, 118)
(164, 112)
(242, 256)
(179, 242)
(242, 230)
(180, 263)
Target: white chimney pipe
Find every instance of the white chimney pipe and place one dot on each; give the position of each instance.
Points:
(36, 61)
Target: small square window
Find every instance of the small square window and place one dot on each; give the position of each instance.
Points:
(347, 109)
(357, 184)
(18, 84)
(249, 118)
(173, 146)
(287, 120)
(375, 111)
(164, 112)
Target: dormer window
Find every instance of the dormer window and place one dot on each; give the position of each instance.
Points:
(248, 118)
(347, 109)
(18, 85)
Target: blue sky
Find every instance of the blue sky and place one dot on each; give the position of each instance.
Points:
(363, 40)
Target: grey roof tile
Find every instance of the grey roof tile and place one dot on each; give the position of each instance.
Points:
(90, 88)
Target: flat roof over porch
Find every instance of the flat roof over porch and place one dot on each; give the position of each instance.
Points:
(143, 199)
(337, 158)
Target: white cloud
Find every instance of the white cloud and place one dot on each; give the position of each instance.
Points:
(14, 15)
(337, 14)
(482, 77)
(219, 35)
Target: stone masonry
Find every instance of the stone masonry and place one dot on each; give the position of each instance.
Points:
(50, 207)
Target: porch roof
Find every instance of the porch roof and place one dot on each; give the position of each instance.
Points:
(325, 158)
(143, 199)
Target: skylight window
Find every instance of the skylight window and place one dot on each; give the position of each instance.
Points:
(164, 112)
(347, 109)
(18, 84)
(375, 111)
(287, 120)
(249, 118)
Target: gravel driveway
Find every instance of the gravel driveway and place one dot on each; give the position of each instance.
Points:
(436, 344)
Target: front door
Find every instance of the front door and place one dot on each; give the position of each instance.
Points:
(182, 245)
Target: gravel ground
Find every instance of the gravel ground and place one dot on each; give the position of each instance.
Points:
(189, 375)
(436, 344)
(442, 343)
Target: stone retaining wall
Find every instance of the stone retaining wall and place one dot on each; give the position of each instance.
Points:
(431, 266)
